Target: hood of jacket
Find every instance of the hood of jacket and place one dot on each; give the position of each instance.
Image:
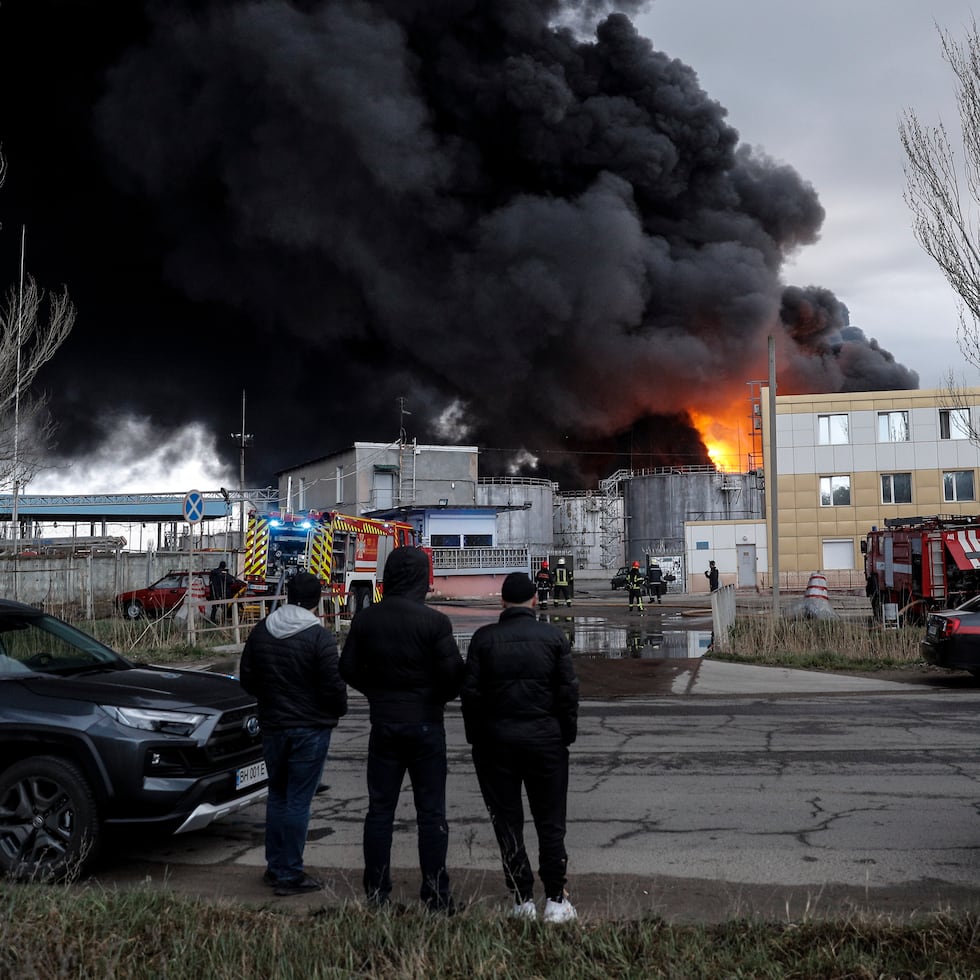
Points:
(407, 573)
(289, 620)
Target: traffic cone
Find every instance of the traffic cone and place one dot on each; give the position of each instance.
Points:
(816, 600)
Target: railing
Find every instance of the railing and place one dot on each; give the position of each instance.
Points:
(516, 481)
(468, 559)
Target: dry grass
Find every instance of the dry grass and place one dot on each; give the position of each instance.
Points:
(55, 933)
(828, 644)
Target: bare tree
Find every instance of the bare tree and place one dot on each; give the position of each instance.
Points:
(943, 194)
(33, 325)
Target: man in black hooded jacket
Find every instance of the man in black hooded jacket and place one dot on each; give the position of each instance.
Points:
(520, 709)
(402, 656)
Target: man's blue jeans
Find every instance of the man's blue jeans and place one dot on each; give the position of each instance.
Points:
(294, 758)
(420, 750)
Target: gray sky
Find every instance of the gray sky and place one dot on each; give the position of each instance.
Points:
(823, 86)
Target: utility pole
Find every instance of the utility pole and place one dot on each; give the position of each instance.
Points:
(244, 439)
(772, 475)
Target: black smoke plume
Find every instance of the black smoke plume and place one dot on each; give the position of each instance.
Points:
(517, 215)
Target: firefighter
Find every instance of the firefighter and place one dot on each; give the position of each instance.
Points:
(543, 582)
(655, 580)
(634, 586)
(563, 583)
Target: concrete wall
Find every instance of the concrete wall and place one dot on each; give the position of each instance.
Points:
(88, 584)
(531, 527)
(432, 473)
(721, 542)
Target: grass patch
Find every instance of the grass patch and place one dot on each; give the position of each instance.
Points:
(833, 644)
(56, 932)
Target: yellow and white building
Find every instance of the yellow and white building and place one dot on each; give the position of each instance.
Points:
(847, 462)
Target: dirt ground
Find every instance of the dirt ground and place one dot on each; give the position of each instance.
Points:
(680, 901)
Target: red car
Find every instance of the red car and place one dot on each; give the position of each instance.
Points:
(164, 595)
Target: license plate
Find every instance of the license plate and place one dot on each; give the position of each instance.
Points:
(249, 775)
(932, 630)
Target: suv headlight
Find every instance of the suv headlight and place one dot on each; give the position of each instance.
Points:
(155, 719)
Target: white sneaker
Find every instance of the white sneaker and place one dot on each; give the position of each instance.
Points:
(524, 910)
(560, 911)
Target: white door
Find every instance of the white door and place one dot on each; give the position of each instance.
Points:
(746, 566)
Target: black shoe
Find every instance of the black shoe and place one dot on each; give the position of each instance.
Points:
(268, 878)
(297, 886)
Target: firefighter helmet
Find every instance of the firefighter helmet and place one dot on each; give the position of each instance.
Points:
(561, 561)
(544, 564)
(636, 564)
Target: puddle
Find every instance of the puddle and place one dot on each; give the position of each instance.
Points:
(598, 638)
(602, 647)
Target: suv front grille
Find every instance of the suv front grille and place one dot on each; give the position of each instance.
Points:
(230, 737)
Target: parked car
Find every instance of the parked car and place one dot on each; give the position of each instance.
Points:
(619, 579)
(165, 594)
(89, 739)
(952, 638)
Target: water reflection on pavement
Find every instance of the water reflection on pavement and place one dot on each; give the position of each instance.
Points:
(666, 651)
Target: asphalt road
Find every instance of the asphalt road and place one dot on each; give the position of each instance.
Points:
(783, 803)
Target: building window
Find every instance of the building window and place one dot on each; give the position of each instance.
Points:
(893, 427)
(835, 491)
(831, 430)
(896, 488)
(958, 485)
(477, 540)
(445, 540)
(838, 553)
(340, 485)
(954, 423)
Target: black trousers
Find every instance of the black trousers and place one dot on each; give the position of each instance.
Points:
(419, 750)
(503, 769)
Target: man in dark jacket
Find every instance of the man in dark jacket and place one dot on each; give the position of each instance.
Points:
(402, 655)
(221, 588)
(520, 709)
(290, 665)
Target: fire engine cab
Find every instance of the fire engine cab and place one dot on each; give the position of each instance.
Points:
(346, 553)
(921, 564)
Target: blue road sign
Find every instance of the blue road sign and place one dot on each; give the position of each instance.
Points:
(193, 507)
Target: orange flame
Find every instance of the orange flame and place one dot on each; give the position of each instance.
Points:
(726, 437)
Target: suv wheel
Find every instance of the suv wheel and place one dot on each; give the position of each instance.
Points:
(49, 826)
(133, 609)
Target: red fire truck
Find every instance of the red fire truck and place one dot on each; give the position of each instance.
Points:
(921, 564)
(346, 553)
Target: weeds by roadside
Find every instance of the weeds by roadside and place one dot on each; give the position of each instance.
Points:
(59, 933)
(821, 644)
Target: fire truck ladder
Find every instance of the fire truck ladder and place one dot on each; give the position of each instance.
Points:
(937, 567)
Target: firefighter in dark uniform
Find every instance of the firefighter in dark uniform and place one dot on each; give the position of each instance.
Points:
(655, 581)
(634, 586)
(543, 582)
(563, 583)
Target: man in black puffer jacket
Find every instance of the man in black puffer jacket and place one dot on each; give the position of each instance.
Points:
(402, 656)
(520, 709)
(290, 665)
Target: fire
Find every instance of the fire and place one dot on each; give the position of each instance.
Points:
(727, 438)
